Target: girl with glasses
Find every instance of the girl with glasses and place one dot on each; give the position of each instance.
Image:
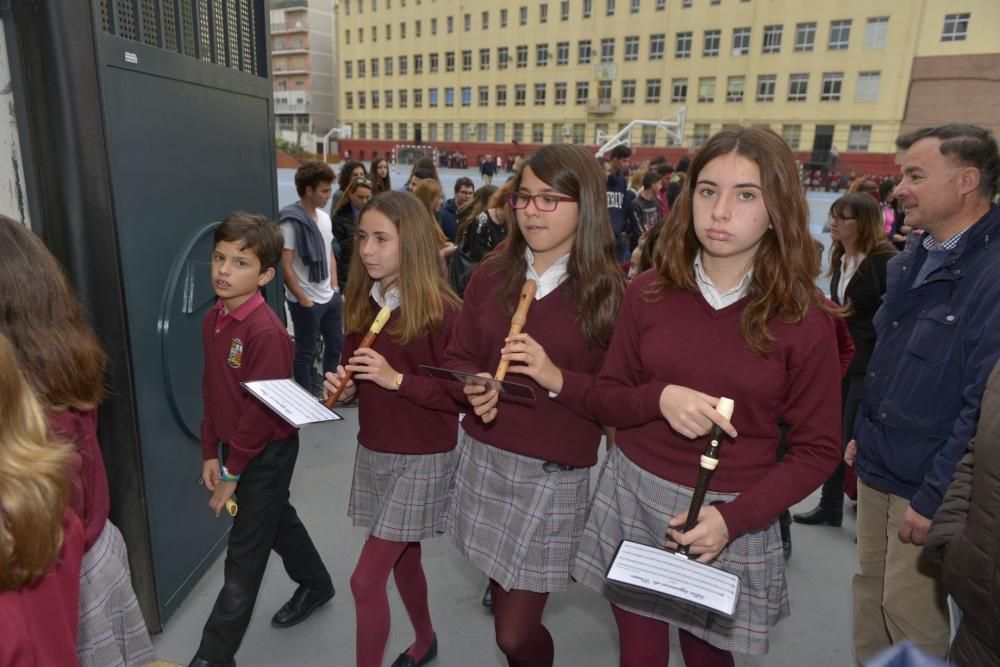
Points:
(528, 461)
(345, 223)
(730, 309)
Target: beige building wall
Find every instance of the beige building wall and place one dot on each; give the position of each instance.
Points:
(858, 74)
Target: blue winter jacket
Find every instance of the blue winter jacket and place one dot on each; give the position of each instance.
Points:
(936, 345)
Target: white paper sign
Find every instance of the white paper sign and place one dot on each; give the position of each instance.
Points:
(291, 402)
(658, 571)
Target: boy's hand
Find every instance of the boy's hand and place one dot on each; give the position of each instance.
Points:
(223, 492)
(210, 473)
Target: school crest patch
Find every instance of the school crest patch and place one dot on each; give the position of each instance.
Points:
(235, 353)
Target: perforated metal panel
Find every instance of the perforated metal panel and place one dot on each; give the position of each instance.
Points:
(223, 32)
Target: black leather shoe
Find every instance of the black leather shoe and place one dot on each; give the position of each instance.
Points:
(201, 662)
(304, 602)
(821, 516)
(404, 659)
(488, 597)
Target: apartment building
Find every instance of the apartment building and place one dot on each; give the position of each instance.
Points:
(485, 76)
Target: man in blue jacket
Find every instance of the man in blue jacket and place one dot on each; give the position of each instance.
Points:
(938, 334)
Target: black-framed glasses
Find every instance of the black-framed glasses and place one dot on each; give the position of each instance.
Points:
(546, 203)
(842, 218)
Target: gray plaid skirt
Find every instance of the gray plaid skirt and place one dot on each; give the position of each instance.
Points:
(631, 503)
(514, 521)
(400, 497)
(112, 631)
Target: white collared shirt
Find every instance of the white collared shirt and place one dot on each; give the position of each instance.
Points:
(711, 293)
(848, 267)
(551, 279)
(391, 298)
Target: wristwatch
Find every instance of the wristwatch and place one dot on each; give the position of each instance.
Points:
(227, 476)
(399, 381)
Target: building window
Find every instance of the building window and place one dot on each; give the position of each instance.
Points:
(661, 5)
(449, 61)
(348, 69)
(582, 91)
(417, 25)
(350, 100)
(279, 45)
(361, 99)
(604, 92)
(418, 63)
(700, 134)
(388, 99)
(876, 31)
(652, 91)
(361, 68)
(560, 93)
(418, 98)
(840, 35)
(543, 13)
(792, 134)
(656, 46)
(679, 90)
(588, 8)
(628, 91)
(833, 82)
(741, 41)
(634, 7)
(562, 53)
(402, 30)
(537, 133)
(484, 58)
(374, 34)
(608, 50)
(766, 84)
(403, 61)
(434, 26)
(610, 7)
(432, 97)
(449, 96)
(467, 60)
(583, 53)
(517, 133)
(713, 40)
(520, 94)
(648, 136)
(375, 131)
(868, 85)
(374, 67)
(388, 131)
(522, 56)
(486, 20)
(859, 137)
(403, 135)
(503, 18)
(798, 87)
(956, 27)
(449, 132)
(683, 45)
(772, 39)
(501, 95)
(805, 37)
(465, 131)
(451, 24)
(481, 132)
(466, 96)
(631, 48)
(564, 10)
(523, 15)
(541, 55)
(403, 99)
(539, 94)
(686, 4)
(499, 132)
(579, 133)
(387, 65)
(388, 31)
(706, 89)
(432, 63)
(734, 88)
(503, 57)
(375, 99)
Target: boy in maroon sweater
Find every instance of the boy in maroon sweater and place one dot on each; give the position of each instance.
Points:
(244, 340)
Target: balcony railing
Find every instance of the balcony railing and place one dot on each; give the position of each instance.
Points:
(299, 103)
(601, 106)
(288, 26)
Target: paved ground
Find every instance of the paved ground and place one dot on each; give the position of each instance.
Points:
(816, 635)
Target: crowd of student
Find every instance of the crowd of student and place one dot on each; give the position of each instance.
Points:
(726, 305)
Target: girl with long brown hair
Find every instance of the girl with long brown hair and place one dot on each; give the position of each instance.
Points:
(380, 175)
(730, 309)
(408, 422)
(64, 364)
(41, 540)
(529, 462)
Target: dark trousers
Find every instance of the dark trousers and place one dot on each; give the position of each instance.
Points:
(832, 496)
(266, 521)
(321, 319)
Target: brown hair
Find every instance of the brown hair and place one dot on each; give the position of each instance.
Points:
(381, 184)
(427, 192)
(867, 215)
(34, 480)
(253, 232)
(423, 290)
(40, 314)
(312, 174)
(786, 263)
(359, 182)
(594, 282)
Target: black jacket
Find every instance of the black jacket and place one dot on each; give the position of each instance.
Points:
(344, 226)
(864, 293)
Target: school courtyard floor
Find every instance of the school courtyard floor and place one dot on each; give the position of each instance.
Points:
(816, 635)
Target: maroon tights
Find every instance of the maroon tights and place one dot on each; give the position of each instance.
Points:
(517, 619)
(379, 558)
(646, 641)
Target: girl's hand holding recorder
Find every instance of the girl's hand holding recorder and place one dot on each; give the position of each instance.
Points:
(531, 360)
(332, 382)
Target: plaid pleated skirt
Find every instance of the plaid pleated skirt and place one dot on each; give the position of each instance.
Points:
(400, 497)
(631, 503)
(112, 631)
(517, 523)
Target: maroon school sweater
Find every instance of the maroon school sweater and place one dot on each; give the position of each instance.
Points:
(420, 418)
(560, 429)
(680, 339)
(249, 343)
(38, 623)
(91, 497)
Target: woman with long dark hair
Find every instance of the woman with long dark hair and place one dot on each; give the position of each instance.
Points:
(380, 175)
